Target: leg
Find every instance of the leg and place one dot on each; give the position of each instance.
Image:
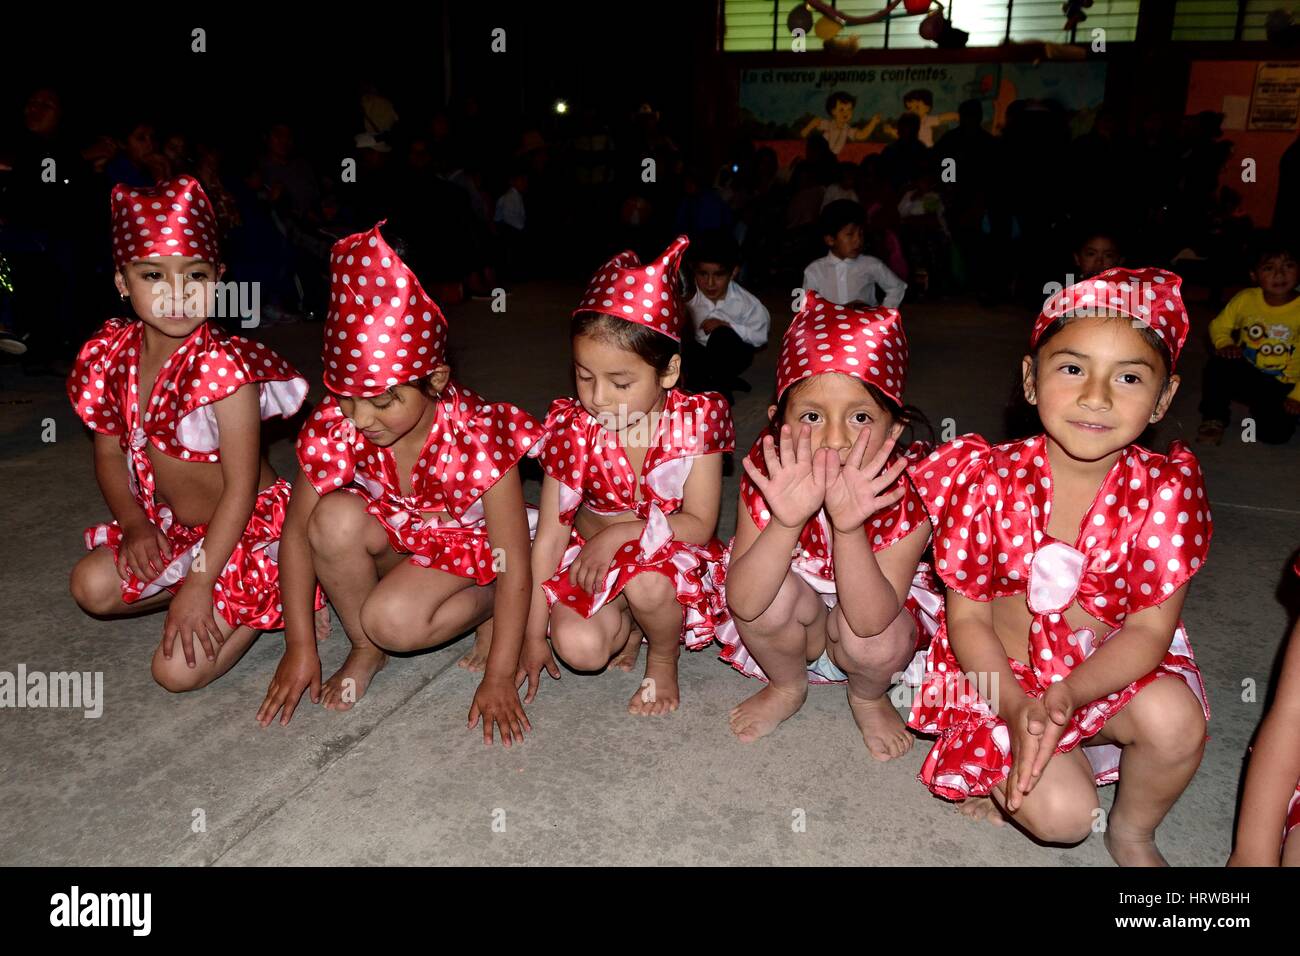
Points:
(1162, 732)
(97, 589)
(1291, 849)
(1221, 382)
(872, 665)
(1264, 396)
(587, 644)
(728, 356)
(178, 677)
(414, 608)
(349, 552)
(626, 659)
(782, 639)
(1062, 806)
(652, 599)
(475, 658)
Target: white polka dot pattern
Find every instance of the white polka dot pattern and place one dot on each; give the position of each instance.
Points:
(646, 295)
(883, 529)
(174, 218)
(583, 455)
(472, 444)
(207, 367)
(1147, 532)
(589, 462)
(867, 344)
(1150, 296)
(382, 328)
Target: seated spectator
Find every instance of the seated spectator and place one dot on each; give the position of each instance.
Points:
(729, 323)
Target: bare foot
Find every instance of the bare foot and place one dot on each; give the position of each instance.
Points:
(625, 660)
(658, 693)
(1130, 847)
(883, 730)
(322, 624)
(349, 683)
(761, 714)
(477, 657)
(982, 809)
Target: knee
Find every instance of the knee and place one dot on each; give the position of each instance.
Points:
(889, 650)
(337, 523)
(94, 591)
(175, 675)
(650, 592)
(776, 620)
(1169, 720)
(1063, 817)
(390, 625)
(579, 644)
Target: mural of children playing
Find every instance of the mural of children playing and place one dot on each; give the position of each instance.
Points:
(838, 130)
(921, 102)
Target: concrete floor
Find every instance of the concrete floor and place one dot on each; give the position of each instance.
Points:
(399, 780)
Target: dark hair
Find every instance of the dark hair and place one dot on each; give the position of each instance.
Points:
(838, 214)
(653, 348)
(915, 423)
(925, 96)
(715, 246)
(839, 96)
(909, 122)
(1272, 245)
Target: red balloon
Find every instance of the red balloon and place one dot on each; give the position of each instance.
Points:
(916, 6)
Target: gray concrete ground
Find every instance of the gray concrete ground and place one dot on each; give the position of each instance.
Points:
(400, 780)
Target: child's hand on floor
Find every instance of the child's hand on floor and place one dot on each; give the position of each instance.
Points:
(497, 702)
(189, 614)
(793, 489)
(299, 670)
(859, 490)
(535, 657)
(144, 552)
(592, 564)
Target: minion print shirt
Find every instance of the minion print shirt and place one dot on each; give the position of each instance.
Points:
(1269, 335)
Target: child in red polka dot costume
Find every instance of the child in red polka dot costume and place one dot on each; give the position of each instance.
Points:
(826, 563)
(176, 404)
(1271, 799)
(1063, 663)
(408, 505)
(633, 479)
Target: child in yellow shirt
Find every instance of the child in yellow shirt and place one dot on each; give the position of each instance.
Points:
(1256, 356)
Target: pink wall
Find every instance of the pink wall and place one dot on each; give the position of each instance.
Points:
(1210, 82)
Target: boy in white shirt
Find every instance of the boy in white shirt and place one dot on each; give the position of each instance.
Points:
(729, 323)
(845, 276)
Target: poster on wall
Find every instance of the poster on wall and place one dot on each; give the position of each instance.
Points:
(1275, 100)
(856, 107)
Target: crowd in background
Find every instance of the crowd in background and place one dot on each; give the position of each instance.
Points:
(482, 201)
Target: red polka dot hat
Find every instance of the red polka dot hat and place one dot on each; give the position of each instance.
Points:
(1150, 297)
(867, 344)
(383, 329)
(173, 218)
(646, 295)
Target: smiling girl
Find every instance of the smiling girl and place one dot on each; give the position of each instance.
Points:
(1067, 557)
